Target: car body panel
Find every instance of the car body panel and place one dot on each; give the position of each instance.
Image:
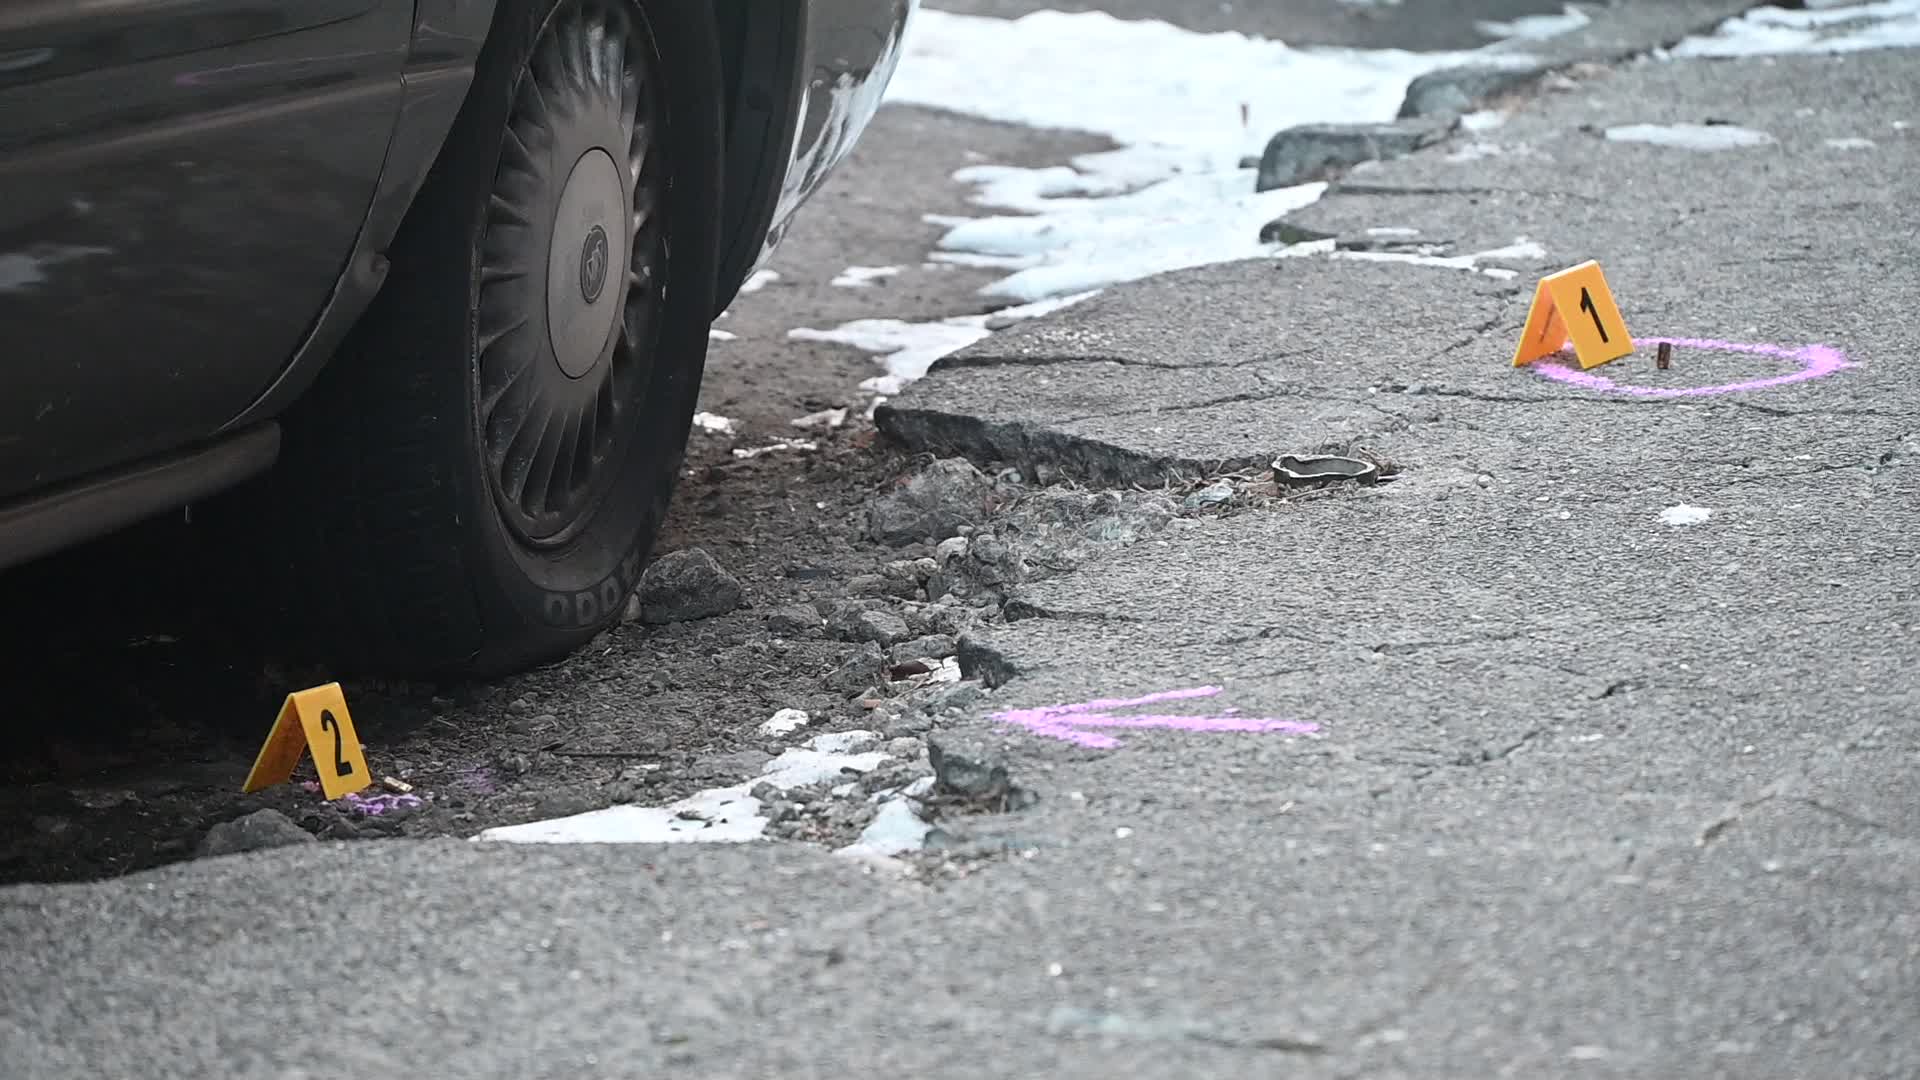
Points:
(850, 50)
(196, 199)
(170, 223)
(445, 43)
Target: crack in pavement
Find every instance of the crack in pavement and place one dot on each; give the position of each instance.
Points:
(1016, 610)
(1417, 191)
(1400, 648)
(1718, 828)
(964, 360)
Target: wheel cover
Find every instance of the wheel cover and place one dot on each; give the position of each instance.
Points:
(570, 268)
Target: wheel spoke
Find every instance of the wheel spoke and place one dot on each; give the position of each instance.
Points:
(517, 464)
(515, 372)
(534, 496)
(566, 451)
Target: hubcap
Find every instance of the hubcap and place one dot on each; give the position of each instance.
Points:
(580, 308)
(571, 265)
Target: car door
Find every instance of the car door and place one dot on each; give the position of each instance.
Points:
(180, 184)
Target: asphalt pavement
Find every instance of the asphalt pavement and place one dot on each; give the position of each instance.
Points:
(1588, 740)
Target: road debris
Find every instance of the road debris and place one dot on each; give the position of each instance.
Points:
(777, 445)
(1663, 357)
(378, 805)
(1213, 494)
(396, 785)
(687, 584)
(825, 418)
(932, 505)
(257, 831)
(1317, 469)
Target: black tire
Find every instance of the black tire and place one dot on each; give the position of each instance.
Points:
(426, 560)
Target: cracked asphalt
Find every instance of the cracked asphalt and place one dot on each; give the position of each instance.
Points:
(1592, 795)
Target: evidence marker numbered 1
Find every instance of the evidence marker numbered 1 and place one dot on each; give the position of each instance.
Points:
(1574, 304)
(315, 719)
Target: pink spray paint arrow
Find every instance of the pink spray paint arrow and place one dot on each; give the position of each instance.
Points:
(1065, 722)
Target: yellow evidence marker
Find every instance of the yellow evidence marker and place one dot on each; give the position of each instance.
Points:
(1574, 303)
(315, 718)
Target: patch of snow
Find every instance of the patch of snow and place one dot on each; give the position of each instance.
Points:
(1681, 515)
(758, 280)
(1071, 244)
(784, 722)
(910, 348)
(894, 830)
(978, 261)
(1830, 28)
(721, 815)
(1476, 150)
(1535, 27)
(1185, 106)
(1703, 137)
(862, 277)
(720, 335)
(1851, 144)
(1521, 250)
(1483, 120)
(843, 742)
(1393, 230)
(718, 425)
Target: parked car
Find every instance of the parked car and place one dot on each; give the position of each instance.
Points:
(436, 274)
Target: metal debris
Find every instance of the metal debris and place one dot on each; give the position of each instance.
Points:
(1310, 470)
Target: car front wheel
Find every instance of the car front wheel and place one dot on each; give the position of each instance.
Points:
(489, 459)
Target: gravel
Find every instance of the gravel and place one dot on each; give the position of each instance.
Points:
(880, 627)
(794, 620)
(860, 672)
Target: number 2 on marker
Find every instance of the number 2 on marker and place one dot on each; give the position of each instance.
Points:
(341, 766)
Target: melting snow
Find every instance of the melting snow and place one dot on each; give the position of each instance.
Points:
(1683, 514)
(1851, 144)
(784, 722)
(1826, 29)
(1173, 195)
(910, 348)
(894, 830)
(722, 815)
(862, 277)
(1521, 250)
(1691, 136)
(719, 425)
(1535, 27)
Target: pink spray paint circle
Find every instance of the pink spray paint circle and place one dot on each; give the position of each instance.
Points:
(1816, 362)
